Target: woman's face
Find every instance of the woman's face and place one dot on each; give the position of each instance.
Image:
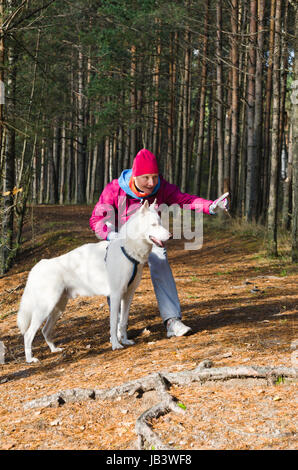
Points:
(146, 183)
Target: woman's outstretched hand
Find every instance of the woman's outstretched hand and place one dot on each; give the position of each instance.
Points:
(221, 203)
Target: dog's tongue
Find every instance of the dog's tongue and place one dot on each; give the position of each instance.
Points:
(157, 242)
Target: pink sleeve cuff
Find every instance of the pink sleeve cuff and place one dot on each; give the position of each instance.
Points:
(201, 205)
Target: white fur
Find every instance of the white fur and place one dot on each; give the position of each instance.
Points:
(84, 272)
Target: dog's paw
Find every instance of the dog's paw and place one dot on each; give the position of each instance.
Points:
(33, 359)
(55, 350)
(117, 345)
(127, 342)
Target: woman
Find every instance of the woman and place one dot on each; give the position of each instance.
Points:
(121, 198)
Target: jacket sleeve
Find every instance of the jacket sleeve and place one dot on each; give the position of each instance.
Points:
(102, 220)
(173, 195)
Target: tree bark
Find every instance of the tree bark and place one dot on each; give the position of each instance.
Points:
(197, 175)
(273, 187)
(267, 117)
(258, 119)
(287, 184)
(133, 104)
(251, 187)
(219, 98)
(234, 104)
(227, 137)
(42, 169)
(294, 100)
(171, 111)
(2, 86)
(6, 250)
(185, 113)
(81, 151)
(62, 164)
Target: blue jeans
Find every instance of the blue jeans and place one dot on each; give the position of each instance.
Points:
(164, 284)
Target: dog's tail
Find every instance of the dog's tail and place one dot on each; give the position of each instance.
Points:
(24, 319)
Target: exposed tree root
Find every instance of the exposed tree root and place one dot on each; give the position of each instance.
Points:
(161, 382)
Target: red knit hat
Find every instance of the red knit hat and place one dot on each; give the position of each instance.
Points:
(144, 163)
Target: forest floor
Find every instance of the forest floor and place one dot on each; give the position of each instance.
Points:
(241, 306)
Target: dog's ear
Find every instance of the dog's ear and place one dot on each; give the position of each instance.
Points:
(145, 206)
(153, 204)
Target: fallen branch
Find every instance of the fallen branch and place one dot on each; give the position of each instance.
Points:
(160, 382)
(202, 373)
(143, 427)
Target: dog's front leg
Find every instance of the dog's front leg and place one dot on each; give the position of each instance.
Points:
(114, 318)
(123, 321)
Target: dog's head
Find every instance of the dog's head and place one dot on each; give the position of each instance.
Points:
(152, 229)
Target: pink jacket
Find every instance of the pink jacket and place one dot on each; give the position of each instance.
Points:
(118, 203)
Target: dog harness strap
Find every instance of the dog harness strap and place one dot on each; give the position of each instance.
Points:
(133, 261)
(106, 254)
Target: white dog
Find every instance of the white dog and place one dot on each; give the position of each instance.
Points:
(111, 269)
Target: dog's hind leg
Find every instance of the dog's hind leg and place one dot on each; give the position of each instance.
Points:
(29, 337)
(114, 318)
(54, 316)
(47, 330)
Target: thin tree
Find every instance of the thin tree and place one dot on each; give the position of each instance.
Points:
(258, 118)
(267, 117)
(219, 99)
(234, 101)
(273, 187)
(294, 100)
(201, 134)
(6, 249)
(251, 187)
(185, 114)
(2, 90)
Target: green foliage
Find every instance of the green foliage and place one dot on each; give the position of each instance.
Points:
(181, 405)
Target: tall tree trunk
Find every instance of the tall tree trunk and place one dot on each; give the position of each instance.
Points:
(93, 172)
(227, 136)
(34, 174)
(210, 140)
(81, 151)
(287, 183)
(171, 111)
(243, 61)
(6, 250)
(62, 163)
(28, 118)
(273, 187)
(2, 87)
(197, 175)
(156, 79)
(294, 100)
(106, 161)
(51, 175)
(133, 104)
(284, 74)
(56, 162)
(42, 169)
(178, 132)
(258, 120)
(234, 103)
(251, 187)
(219, 98)
(185, 115)
(268, 100)
(285, 129)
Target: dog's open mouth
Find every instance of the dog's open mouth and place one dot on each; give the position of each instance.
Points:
(156, 241)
